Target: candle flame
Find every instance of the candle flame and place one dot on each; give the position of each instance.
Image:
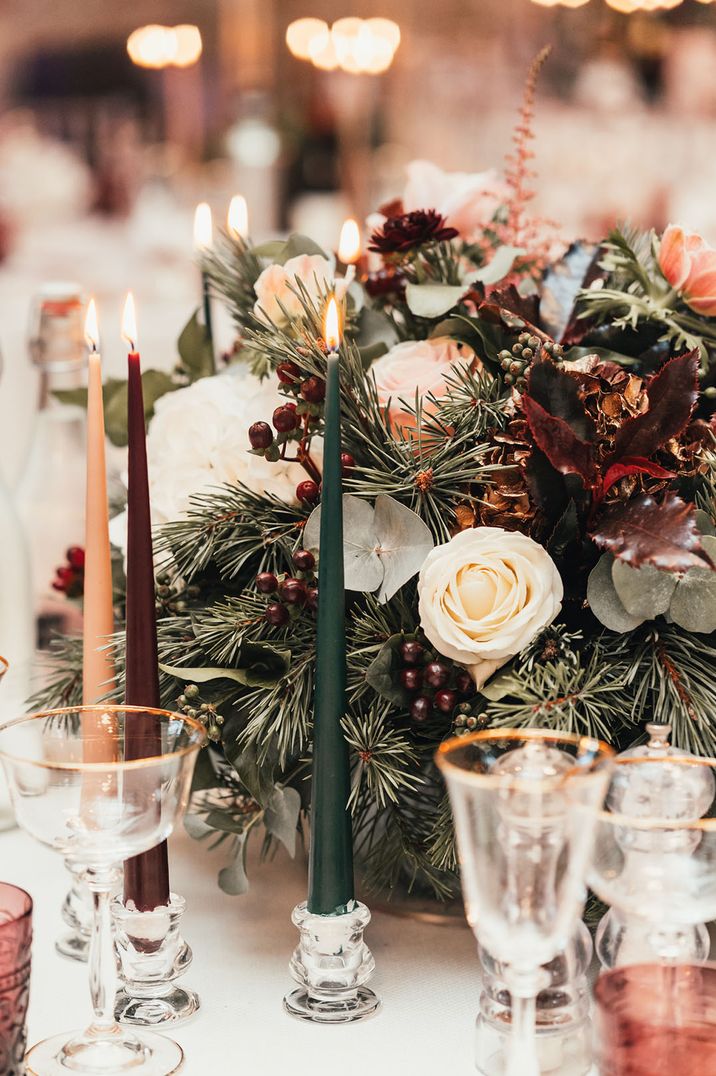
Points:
(332, 325)
(202, 226)
(129, 322)
(238, 217)
(349, 242)
(91, 327)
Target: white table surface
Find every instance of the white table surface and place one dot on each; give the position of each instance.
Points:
(426, 975)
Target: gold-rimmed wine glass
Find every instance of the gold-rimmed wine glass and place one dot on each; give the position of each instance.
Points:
(74, 789)
(523, 856)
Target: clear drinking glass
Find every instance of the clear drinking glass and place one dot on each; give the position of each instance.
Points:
(524, 852)
(15, 952)
(659, 873)
(99, 813)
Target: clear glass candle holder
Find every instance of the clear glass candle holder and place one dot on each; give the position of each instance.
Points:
(74, 789)
(524, 852)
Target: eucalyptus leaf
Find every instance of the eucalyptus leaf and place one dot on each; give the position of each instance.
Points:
(272, 249)
(505, 683)
(704, 522)
(498, 267)
(233, 879)
(155, 383)
(281, 816)
(269, 666)
(196, 826)
(379, 674)
(256, 774)
(300, 244)
(566, 529)
(644, 592)
(433, 300)
(604, 601)
(363, 570)
(693, 606)
(376, 335)
(195, 349)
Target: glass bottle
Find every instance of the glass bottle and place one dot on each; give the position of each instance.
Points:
(50, 494)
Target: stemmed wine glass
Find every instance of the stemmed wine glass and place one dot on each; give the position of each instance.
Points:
(74, 789)
(654, 856)
(524, 853)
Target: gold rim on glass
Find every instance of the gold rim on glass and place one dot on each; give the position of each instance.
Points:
(616, 818)
(104, 767)
(601, 753)
(4, 666)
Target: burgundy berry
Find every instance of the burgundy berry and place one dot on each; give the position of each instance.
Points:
(465, 684)
(312, 598)
(285, 418)
(411, 679)
(266, 582)
(308, 491)
(347, 463)
(304, 560)
(260, 435)
(436, 674)
(293, 591)
(76, 556)
(288, 373)
(445, 701)
(420, 709)
(276, 614)
(411, 652)
(313, 390)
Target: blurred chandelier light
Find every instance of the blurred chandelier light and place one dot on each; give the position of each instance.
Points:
(357, 46)
(157, 47)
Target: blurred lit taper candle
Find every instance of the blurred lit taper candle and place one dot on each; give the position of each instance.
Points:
(146, 877)
(330, 887)
(203, 238)
(237, 218)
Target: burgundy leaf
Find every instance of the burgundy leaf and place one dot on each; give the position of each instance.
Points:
(567, 453)
(558, 393)
(643, 531)
(632, 465)
(672, 394)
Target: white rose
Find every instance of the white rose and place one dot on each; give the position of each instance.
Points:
(485, 594)
(417, 365)
(274, 286)
(198, 440)
(468, 201)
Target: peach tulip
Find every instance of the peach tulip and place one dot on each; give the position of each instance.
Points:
(689, 265)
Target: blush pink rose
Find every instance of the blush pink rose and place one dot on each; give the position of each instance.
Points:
(468, 201)
(689, 265)
(417, 366)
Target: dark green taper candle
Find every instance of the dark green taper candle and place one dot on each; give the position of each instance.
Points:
(330, 873)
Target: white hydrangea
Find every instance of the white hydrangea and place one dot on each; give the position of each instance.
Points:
(198, 440)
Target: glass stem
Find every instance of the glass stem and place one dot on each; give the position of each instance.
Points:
(102, 962)
(522, 1059)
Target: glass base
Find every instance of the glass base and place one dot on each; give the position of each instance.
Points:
(145, 1054)
(170, 1008)
(563, 1051)
(334, 1011)
(73, 945)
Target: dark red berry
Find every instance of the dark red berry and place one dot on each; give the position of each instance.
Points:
(436, 674)
(276, 614)
(260, 435)
(266, 582)
(420, 709)
(312, 598)
(313, 390)
(285, 418)
(411, 652)
(465, 684)
(65, 575)
(445, 700)
(308, 491)
(347, 463)
(411, 679)
(293, 591)
(76, 556)
(288, 373)
(304, 560)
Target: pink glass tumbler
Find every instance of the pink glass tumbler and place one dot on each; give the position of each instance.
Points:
(657, 1020)
(15, 943)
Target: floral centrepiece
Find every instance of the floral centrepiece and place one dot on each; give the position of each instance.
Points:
(529, 471)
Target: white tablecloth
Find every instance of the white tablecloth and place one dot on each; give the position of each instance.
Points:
(426, 975)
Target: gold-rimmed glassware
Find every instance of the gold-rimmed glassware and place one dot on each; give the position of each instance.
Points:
(74, 790)
(4, 666)
(658, 872)
(523, 855)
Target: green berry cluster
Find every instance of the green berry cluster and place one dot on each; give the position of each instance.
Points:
(516, 362)
(465, 721)
(173, 598)
(206, 712)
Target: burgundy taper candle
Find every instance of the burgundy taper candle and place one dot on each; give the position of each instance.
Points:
(146, 877)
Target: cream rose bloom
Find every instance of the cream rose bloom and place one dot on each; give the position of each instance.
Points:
(485, 594)
(274, 286)
(468, 201)
(417, 365)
